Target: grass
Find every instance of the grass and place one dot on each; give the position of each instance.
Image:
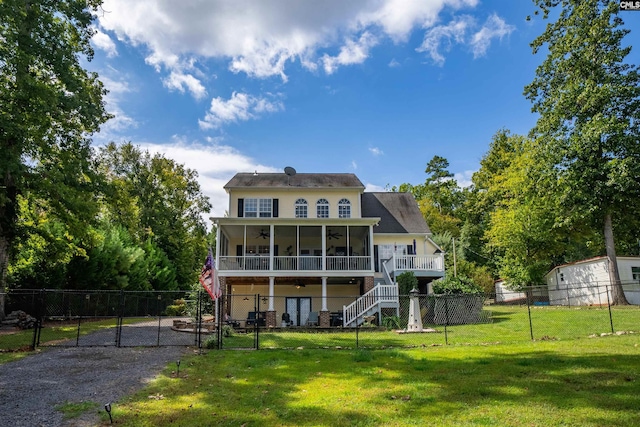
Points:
(581, 382)
(16, 345)
(74, 410)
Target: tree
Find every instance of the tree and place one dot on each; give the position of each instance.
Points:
(156, 198)
(588, 100)
(50, 107)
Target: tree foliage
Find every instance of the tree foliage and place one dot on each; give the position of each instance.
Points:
(588, 100)
(50, 107)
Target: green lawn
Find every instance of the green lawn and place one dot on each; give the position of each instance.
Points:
(580, 382)
(13, 346)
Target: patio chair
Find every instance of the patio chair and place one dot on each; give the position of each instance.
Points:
(313, 319)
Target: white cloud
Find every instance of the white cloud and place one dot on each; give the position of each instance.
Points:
(261, 38)
(103, 42)
(393, 63)
(353, 52)
(445, 34)
(376, 151)
(492, 28)
(121, 121)
(240, 107)
(216, 165)
(179, 81)
(464, 178)
(443, 37)
(374, 188)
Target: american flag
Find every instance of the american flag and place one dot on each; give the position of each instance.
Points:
(209, 277)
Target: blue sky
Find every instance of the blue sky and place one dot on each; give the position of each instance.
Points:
(371, 87)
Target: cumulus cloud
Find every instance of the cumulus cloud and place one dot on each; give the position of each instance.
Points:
(118, 88)
(240, 107)
(179, 81)
(374, 188)
(103, 42)
(261, 38)
(464, 178)
(216, 165)
(353, 52)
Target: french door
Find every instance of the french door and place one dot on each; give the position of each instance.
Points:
(298, 309)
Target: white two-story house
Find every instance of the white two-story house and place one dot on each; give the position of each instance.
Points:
(318, 244)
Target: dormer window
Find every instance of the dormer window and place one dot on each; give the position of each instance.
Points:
(322, 208)
(301, 208)
(344, 208)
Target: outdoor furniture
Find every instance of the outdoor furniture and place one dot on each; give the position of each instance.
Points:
(256, 317)
(336, 318)
(286, 319)
(313, 319)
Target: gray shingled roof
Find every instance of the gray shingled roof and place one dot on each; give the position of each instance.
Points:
(304, 180)
(398, 212)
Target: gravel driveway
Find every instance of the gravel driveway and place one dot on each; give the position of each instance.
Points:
(32, 387)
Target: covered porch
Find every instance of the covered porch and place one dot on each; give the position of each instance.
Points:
(290, 302)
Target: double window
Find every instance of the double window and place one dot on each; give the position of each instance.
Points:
(344, 208)
(322, 208)
(301, 208)
(258, 208)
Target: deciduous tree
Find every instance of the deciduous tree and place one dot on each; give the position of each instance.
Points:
(50, 107)
(588, 99)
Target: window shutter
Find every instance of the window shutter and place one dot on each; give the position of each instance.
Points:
(274, 211)
(240, 208)
(375, 259)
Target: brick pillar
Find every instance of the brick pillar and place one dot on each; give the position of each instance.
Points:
(271, 319)
(368, 283)
(325, 319)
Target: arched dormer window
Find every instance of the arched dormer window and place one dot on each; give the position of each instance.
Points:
(301, 208)
(322, 208)
(344, 208)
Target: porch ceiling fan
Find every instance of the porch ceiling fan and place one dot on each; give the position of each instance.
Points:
(263, 234)
(333, 235)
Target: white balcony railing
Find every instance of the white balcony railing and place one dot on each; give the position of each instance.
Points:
(294, 263)
(418, 262)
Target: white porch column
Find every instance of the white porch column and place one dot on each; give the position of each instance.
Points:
(271, 248)
(324, 249)
(324, 293)
(271, 292)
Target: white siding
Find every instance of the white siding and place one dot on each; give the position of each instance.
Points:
(587, 282)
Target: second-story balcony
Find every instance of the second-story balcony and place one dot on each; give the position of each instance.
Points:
(294, 263)
(421, 265)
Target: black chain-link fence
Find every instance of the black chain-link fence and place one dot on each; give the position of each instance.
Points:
(119, 318)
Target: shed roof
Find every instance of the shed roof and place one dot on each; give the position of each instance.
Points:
(300, 180)
(398, 212)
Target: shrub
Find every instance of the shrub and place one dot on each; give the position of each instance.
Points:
(451, 285)
(391, 322)
(178, 308)
(406, 282)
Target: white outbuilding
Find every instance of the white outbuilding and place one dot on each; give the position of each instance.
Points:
(587, 282)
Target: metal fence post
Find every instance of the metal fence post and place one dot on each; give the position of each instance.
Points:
(159, 318)
(609, 305)
(446, 319)
(119, 319)
(256, 326)
(529, 313)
